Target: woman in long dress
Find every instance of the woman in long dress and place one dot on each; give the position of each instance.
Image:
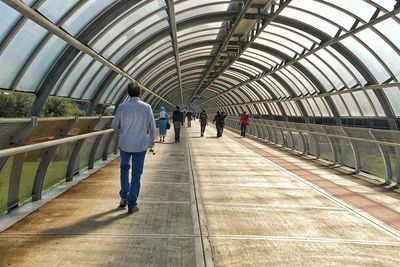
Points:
(163, 124)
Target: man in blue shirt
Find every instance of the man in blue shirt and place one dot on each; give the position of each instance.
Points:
(135, 121)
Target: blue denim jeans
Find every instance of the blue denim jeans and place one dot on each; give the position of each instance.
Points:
(130, 192)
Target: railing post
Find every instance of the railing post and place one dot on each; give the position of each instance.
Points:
(107, 146)
(93, 151)
(76, 153)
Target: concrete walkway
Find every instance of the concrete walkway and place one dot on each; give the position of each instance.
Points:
(211, 201)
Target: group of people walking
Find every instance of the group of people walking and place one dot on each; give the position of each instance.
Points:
(135, 122)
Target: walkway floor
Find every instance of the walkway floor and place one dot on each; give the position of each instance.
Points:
(224, 201)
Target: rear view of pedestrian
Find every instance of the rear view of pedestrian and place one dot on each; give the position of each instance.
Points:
(203, 122)
(177, 119)
(244, 121)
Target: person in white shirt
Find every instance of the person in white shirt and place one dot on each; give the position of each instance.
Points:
(135, 121)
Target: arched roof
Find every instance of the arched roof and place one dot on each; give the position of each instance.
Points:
(290, 58)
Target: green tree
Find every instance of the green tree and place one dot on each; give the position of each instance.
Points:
(58, 107)
(15, 105)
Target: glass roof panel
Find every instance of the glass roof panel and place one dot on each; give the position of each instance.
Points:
(82, 85)
(18, 51)
(123, 30)
(328, 12)
(139, 37)
(188, 9)
(84, 15)
(69, 82)
(95, 83)
(8, 18)
(367, 58)
(359, 7)
(41, 64)
(310, 19)
(54, 10)
(384, 51)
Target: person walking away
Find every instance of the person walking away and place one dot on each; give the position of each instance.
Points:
(189, 119)
(203, 122)
(135, 121)
(218, 123)
(223, 116)
(244, 121)
(163, 124)
(177, 118)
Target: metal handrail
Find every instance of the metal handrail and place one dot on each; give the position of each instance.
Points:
(22, 149)
(330, 135)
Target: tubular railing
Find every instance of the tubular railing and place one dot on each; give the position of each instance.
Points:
(370, 150)
(37, 154)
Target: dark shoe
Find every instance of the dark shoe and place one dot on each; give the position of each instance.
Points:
(133, 209)
(122, 203)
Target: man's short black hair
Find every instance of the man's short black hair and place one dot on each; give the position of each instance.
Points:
(203, 110)
(134, 89)
(177, 107)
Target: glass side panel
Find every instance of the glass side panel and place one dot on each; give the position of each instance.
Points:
(375, 101)
(57, 169)
(364, 104)
(84, 15)
(54, 10)
(351, 105)
(100, 148)
(393, 95)
(40, 66)
(29, 168)
(85, 154)
(8, 18)
(18, 52)
(340, 105)
(74, 75)
(315, 108)
(306, 105)
(5, 183)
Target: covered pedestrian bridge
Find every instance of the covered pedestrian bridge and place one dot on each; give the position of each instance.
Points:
(315, 182)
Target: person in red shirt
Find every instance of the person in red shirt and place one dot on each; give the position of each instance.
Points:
(244, 121)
